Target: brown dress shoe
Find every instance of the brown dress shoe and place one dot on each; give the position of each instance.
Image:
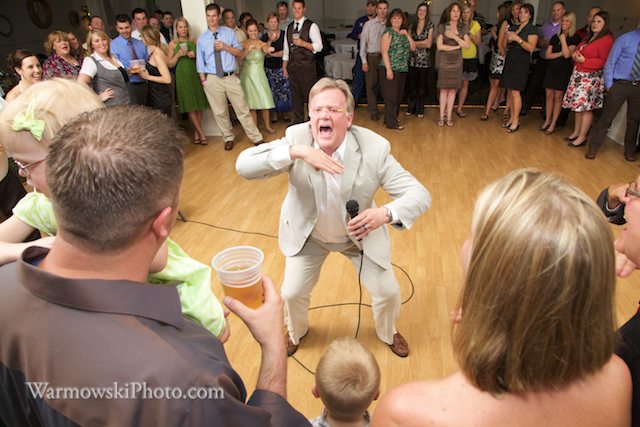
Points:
(291, 347)
(228, 146)
(400, 345)
(630, 157)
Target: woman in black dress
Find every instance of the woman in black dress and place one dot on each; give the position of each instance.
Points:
(522, 39)
(157, 72)
(273, 67)
(559, 67)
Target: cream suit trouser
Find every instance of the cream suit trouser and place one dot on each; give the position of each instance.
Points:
(301, 275)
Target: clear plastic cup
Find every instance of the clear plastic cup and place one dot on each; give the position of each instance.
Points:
(295, 36)
(134, 66)
(183, 46)
(142, 64)
(239, 270)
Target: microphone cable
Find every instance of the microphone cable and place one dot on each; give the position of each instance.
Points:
(360, 304)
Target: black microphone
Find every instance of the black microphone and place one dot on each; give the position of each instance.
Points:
(353, 208)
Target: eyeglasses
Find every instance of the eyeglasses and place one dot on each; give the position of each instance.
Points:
(631, 192)
(25, 168)
(333, 111)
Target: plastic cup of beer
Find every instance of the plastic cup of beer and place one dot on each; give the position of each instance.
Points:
(142, 65)
(239, 270)
(295, 36)
(134, 66)
(183, 46)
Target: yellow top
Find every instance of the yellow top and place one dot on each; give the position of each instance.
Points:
(472, 50)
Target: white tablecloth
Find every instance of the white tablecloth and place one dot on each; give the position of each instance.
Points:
(344, 46)
(339, 32)
(339, 65)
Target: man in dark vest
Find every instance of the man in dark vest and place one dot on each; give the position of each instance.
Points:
(298, 63)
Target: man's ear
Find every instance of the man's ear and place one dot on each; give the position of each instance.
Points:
(163, 223)
(314, 391)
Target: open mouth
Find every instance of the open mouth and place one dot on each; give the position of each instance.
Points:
(325, 130)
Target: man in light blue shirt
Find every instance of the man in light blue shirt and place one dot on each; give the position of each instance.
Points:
(125, 48)
(622, 81)
(216, 53)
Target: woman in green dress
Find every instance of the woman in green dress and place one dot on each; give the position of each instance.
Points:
(191, 97)
(254, 81)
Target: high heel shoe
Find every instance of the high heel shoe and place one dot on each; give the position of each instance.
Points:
(513, 130)
(506, 125)
(543, 127)
(441, 122)
(568, 138)
(582, 144)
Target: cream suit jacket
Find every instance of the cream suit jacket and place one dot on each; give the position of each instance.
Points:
(368, 165)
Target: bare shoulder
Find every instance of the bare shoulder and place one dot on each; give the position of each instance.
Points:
(617, 378)
(419, 403)
(405, 405)
(13, 93)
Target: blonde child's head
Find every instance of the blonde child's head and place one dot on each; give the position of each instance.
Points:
(347, 379)
(30, 121)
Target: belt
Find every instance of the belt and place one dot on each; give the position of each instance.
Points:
(137, 83)
(223, 74)
(373, 53)
(628, 82)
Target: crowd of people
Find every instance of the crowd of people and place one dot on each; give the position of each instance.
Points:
(535, 330)
(571, 65)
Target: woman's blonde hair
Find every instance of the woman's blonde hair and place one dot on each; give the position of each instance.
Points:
(55, 102)
(538, 293)
(150, 35)
(52, 37)
(103, 36)
(175, 26)
(571, 16)
(464, 7)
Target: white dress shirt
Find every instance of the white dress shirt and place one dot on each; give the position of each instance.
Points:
(314, 35)
(136, 35)
(329, 227)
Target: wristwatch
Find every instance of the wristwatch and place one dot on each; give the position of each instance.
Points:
(389, 216)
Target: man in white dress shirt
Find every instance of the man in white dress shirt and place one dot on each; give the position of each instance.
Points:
(330, 162)
(141, 19)
(302, 41)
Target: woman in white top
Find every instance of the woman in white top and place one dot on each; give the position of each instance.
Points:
(536, 322)
(103, 72)
(27, 66)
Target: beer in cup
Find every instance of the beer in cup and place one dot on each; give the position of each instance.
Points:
(239, 270)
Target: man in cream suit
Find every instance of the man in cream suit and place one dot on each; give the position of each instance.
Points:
(330, 162)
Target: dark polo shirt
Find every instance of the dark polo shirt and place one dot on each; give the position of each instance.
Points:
(74, 338)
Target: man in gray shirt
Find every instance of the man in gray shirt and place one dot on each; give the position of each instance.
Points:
(370, 53)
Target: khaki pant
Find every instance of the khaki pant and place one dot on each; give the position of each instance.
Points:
(301, 275)
(218, 90)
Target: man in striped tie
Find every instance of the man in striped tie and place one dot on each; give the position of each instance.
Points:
(622, 81)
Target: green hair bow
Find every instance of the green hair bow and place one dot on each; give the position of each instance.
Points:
(27, 121)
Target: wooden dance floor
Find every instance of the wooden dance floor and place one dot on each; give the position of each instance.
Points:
(454, 164)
